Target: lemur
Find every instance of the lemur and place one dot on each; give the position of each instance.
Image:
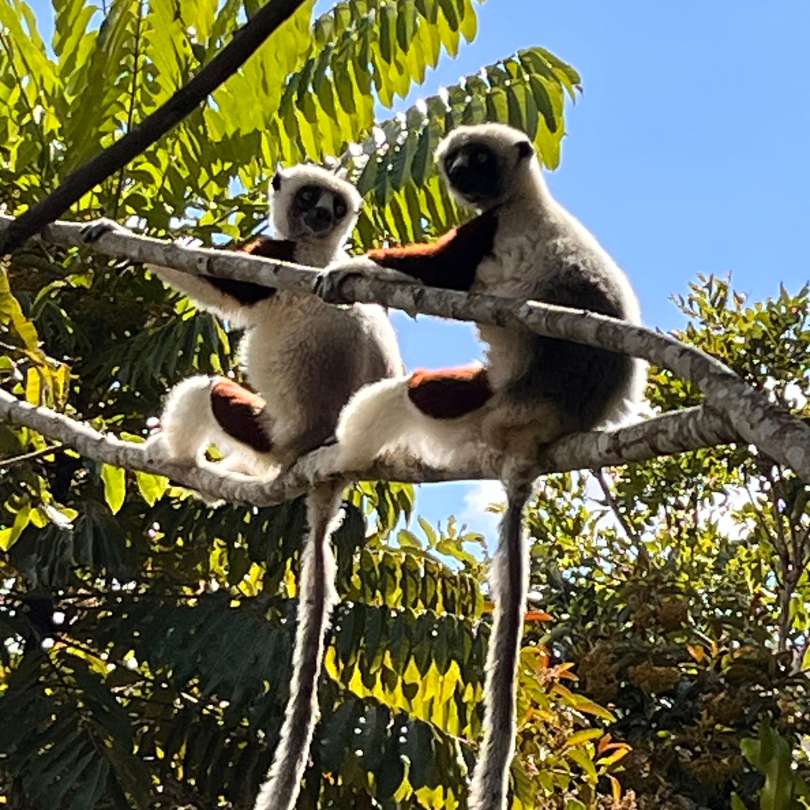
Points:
(531, 390)
(305, 359)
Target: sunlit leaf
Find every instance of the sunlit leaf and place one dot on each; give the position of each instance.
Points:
(115, 491)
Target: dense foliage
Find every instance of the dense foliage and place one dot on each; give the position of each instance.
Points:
(684, 600)
(147, 636)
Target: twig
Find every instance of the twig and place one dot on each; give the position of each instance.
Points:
(631, 533)
(5, 463)
(244, 43)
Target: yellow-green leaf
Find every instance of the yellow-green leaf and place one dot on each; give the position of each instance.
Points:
(8, 537)
(583, 736)
(151, 486)
(115, 486)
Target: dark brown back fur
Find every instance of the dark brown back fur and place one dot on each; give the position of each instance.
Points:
(583, 380)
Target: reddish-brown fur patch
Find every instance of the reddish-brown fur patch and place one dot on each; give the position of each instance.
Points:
(282, 250)
(451, 261)
(237, 411)
(451, 392)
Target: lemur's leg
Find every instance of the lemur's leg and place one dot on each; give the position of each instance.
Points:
(422, 408)
(203, 410)
(515, 431)
(187, 424)
(449, 393)
(240, 414)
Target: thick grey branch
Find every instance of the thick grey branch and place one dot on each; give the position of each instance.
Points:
(755, 420)
(671, 433)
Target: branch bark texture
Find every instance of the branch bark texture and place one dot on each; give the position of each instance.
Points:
(746, 411)
(678, 432)
(244, 43)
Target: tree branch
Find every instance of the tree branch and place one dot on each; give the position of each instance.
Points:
(13, 461)
(754, 419)
(613, 505)
(679, 432)
(244, 43)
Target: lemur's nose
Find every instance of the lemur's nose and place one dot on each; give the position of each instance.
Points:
(318, 218)
(458, 165)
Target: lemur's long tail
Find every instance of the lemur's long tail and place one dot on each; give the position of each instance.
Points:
(509, 581)
(315, 602)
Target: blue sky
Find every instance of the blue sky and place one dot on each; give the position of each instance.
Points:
(686, 154)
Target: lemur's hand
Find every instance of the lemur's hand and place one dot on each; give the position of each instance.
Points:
(94, 230)
(327, 284)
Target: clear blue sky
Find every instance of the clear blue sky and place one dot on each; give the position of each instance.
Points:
(686, 154)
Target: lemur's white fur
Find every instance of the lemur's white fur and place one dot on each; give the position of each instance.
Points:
(316, 598)
(536, 242)
(188, 427)
(509, 580)
(381, 417)
(293, 354)
(283, 333)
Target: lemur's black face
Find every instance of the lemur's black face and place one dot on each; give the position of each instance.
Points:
(483, 170)
(318, 209)
(473, 171)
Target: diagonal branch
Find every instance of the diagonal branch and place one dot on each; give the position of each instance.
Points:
(613, 504)
(755, 420)
(13, 461)
(244, 43)
(676, 432)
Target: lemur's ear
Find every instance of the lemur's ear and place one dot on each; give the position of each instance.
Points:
(524, 149)
(276, 181)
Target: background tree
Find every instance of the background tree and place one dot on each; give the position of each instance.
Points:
(683, 598)
(147, 637)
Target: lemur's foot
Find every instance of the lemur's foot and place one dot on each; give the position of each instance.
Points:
(94, 230)
(157, 450)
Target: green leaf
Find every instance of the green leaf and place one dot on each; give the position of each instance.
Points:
(151, 487)
(429, 531)
(408, 539)
(583, 759)
(8, 537)
(772, 756)
(115, 486)
(584, 736)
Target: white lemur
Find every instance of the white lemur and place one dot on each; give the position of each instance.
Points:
(532, 389)
(305, 359)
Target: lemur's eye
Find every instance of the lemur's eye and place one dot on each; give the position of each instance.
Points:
(308, 195)
(339, 208)
(482, 156)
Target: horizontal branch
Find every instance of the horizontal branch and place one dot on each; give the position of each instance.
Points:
(754, 419)
(677, 432)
